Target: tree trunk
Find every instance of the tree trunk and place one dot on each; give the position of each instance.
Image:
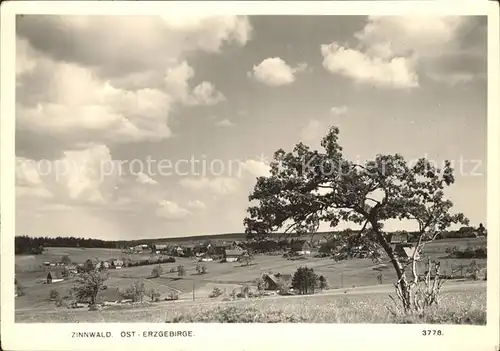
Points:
(402, 285)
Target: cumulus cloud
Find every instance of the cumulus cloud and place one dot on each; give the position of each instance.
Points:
(275, 72)
(117, 89)
(29, 181)
(85, 176)
(256, 168)
(218, 186)
(338, 110)
(206, 94)
(130, 44)
(143, 178)
(396, 72)
(393, 51)
(171, 210)
(224, 123)
(196, 205)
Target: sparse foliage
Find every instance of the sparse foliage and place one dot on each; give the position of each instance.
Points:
(66, 259)
(380, 278)
(173, 296)
(201, 268)
(136, 291)
(88, 285)
(323, 283)
(157, 271)
(216, 292)
(154, 294)
(245, 291)
(369, 194)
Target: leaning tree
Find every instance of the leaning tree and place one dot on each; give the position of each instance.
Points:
(306, 186)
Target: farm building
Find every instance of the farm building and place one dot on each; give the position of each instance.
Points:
(234, 255)
(115, 264)
(399, 238)
(110, 295)
(158, 248)
(274, 280)
(55, 276)
(300, 247)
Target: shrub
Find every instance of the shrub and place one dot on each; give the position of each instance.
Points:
(157, 271)
(59, 302)
(305, 280)
(234, 294)
(54, 294)
(469, 252)
(66, 259)
(323, 283)
(245, 291)
(154, 294)
(172, 296)
(380, 278)
(201, 268)
(216, 292)
(135, 292)
(261, 284)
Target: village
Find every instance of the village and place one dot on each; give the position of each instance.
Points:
(225, 270)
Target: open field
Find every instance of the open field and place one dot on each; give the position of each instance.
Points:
(78, 255)
(226, 276)
(462, 303)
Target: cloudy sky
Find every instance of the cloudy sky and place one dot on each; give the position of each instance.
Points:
(154, 127)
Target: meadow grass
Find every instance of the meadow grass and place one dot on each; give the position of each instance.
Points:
(463, 307)
(466, 307)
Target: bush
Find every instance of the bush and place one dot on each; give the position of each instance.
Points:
(135, 292)
(216, 292)
(380, 278)
(305, 280)
(201, 268)
(157, 271)
(54, 294)
(469, 252)
(59, 302)
(172, 296)
(245, 291)
(154, 294)
(66, 259)
(323, 283)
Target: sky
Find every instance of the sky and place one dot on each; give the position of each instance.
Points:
(149, 127)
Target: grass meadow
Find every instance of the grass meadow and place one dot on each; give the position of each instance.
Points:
(347, 274)
(467, 306)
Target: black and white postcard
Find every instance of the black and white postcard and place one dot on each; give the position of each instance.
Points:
(249, 176)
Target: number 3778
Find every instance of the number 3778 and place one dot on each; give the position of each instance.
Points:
(428, 332)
